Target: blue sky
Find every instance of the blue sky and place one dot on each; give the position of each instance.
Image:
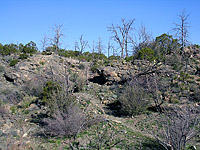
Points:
(28, 20)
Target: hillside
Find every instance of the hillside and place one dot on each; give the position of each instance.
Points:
(55, 102)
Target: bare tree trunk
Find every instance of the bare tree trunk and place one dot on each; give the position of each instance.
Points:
(44, 42)
(57, 37)
(83, 44)
(121, 35)
(182, 32)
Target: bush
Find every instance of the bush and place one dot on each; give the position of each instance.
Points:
(133, 100)
(13, 62)
(146, 54)
(27, 100)
(23, 56)
(8, 49)
(94, 67)
(48, 90)
(56, 97)
(114, 57)
(78, 81)
(69, 53)
(81, 66)
(67, 124)
(128, 59)
(196, 45)
(35, 86)
(30, 48)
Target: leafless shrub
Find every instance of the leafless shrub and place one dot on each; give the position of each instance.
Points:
(178, 126)
(133, 100)
(154, 86)
(67, 124)
(14, 96)
(35, 86)
(79, 81)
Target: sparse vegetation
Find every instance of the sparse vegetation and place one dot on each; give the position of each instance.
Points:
(178, 126)
(65, 124)
(146, 98)
(133, 100)
(13, 62)
(23, 56)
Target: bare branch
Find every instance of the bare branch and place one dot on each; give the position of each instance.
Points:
(121, 35)
(44, 42)
(83, 44)
(58, 33)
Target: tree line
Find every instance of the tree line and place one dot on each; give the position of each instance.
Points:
(126, 43)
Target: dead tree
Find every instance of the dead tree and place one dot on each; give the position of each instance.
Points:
(58, 34)
(121, 35)
(182, 32)
(93, 47)
(44, 42)
(178, 126)
(83, 44)
(100, 46)
(145, 37)
(110, 48)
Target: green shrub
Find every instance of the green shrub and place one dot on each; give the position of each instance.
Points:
(41, 62)
(175, 101)
(23, 56)
(146, 54)
(128, 59)
(27, 100)
(94, 67)
(177, 66)
(196, 45)
(13, 109)
(86, 58)
(13, 62)
(48, 90)
(98, 56)
(114, 57)
(68, 53)
(56, 98)
(8, 49)
(183, 76)
(30, 48)
(106, 62)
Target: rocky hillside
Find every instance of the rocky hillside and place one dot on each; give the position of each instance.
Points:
(98, 89)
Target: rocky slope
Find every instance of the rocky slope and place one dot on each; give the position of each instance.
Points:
(21, 86)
